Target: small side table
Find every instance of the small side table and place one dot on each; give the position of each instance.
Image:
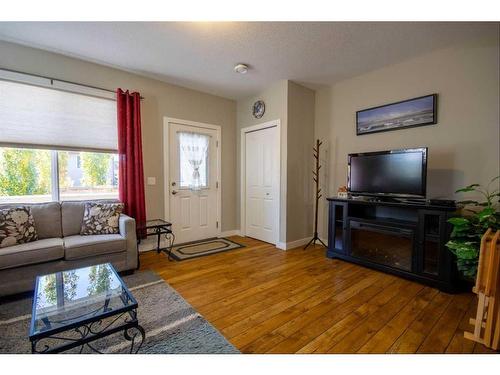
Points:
(158, 227)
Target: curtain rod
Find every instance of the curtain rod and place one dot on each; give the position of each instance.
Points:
(62, 80)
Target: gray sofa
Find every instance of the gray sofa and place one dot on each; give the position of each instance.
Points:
(60, 246)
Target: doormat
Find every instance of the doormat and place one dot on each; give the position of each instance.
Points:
(202, 248)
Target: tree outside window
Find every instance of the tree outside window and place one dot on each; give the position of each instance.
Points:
(25, 172)
(26, 175)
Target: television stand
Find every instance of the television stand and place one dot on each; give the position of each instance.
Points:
(402, 238)
(388, 199)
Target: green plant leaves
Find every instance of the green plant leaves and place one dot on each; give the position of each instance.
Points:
(459, 221)
(463, 249)
(468, 230)
(485, 214)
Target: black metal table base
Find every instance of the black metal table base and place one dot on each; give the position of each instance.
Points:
(158, 230)
(168, 250)
(84, 336)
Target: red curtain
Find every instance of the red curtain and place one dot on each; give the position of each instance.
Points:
(131, 176)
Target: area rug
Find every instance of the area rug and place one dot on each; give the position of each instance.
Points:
(203, 248)
(172, 326)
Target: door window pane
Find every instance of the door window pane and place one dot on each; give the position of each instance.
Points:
(87, 175)
(193, 160)
(25, 175)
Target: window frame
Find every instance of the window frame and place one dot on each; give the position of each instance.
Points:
(55, 191)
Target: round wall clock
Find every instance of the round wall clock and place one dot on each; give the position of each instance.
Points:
(258, 109)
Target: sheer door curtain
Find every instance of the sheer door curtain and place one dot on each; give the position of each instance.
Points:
(193, 160)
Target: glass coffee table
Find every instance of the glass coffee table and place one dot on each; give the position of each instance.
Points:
(75, 308)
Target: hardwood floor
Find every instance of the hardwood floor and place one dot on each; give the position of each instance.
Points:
(266, 300)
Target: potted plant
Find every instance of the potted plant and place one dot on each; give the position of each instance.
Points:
(474, 219)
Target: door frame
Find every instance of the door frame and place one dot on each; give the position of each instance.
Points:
(166, 164)
(244, 131)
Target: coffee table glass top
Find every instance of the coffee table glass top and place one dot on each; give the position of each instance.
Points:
(71, 298)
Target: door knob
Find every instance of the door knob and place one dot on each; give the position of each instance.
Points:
(174, 192)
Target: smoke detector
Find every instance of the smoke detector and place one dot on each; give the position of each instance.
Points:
(241, 68)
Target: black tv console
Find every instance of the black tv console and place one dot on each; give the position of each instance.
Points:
(403, 238)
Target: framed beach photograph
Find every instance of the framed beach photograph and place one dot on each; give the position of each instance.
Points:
(405, 114)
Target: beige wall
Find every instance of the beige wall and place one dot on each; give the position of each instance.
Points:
(275, 98)
(293, 105)
(463, 145)
(161, 100)
(300, 143)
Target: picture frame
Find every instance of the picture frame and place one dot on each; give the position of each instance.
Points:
(410, 113)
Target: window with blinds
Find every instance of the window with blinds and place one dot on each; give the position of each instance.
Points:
(55, 144)
(49, 118)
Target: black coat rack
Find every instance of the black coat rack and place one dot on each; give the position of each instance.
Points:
(318, 195)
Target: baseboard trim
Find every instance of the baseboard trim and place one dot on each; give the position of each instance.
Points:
(292, 244)
(229, 233)
(151, 245)
(145, 245)
(296, 243)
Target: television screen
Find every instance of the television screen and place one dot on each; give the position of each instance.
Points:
(396, 172)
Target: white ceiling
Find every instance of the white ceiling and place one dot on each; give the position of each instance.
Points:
(201, 55)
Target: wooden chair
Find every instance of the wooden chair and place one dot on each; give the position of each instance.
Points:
(487, 321)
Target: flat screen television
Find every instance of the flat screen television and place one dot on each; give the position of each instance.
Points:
(393, 173)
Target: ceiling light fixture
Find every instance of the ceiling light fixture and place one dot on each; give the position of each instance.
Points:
(241, 68)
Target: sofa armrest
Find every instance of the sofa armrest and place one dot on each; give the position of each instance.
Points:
(127, 229)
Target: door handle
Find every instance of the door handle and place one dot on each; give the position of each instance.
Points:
(174, 192)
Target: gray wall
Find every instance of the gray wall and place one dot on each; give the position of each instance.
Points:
(162, 99)
(463, 146)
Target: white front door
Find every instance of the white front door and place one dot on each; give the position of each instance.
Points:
(262, 183)
(193, 173)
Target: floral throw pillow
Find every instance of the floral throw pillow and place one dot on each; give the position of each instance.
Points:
(16, 226)
(101, 218)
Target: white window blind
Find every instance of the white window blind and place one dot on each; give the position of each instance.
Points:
(44, 117)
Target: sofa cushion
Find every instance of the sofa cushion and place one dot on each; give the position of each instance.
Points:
(47, 217)
(40, 251)
(72, 215)
(77, 247)
(101, 218)
(16, 226)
